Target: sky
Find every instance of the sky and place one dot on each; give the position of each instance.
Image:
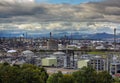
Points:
(69, 16)
(65, 1)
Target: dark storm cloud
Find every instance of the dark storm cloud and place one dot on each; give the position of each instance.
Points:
(18, 9)
(107, 7)
(93, 11)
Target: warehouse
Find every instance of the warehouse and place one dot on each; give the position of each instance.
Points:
(51, 62)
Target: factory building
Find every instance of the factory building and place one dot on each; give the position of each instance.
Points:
(52, 44)
(82, 63)
(50, 62)
(114, 68)
(97, 63)
(67, 61)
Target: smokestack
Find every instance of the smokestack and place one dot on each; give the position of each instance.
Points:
(50, 35)
(114, 39)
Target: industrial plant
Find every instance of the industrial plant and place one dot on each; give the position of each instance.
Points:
(61, 54)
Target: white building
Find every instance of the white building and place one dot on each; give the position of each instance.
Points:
(82, 63)
(49, 62)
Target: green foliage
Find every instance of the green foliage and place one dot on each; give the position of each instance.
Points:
(25, 74)
(98, 52)
(55, 78)
(60, 78)
(116, 80)
(33, 74)
(85, 75)
(68, 79)
(89, 75)
(104, 77)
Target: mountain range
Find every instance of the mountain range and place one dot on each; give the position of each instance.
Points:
(65, 35)
(92, 36)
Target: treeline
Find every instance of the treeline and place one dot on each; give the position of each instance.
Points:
(22, 74)
(32, 74)
(85, 75)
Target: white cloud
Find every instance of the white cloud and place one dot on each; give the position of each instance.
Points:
(18, 1)
(81, 27)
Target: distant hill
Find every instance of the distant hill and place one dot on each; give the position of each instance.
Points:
(91, 36)
(67, 35)
(101, 36)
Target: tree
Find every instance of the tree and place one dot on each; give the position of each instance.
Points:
(55, 78)
(116, 80)
(33, 74)
(68, 78)
(85, 75)
(44, 76)
(104, 77)
(25, 74)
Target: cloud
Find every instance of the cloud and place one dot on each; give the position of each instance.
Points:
(30, 16)
(93, 11)
(18, 1)
(56, 27)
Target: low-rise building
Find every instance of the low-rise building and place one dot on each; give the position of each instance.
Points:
(49, 62)
(114, 68)
(97, 63)
(82, 63)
